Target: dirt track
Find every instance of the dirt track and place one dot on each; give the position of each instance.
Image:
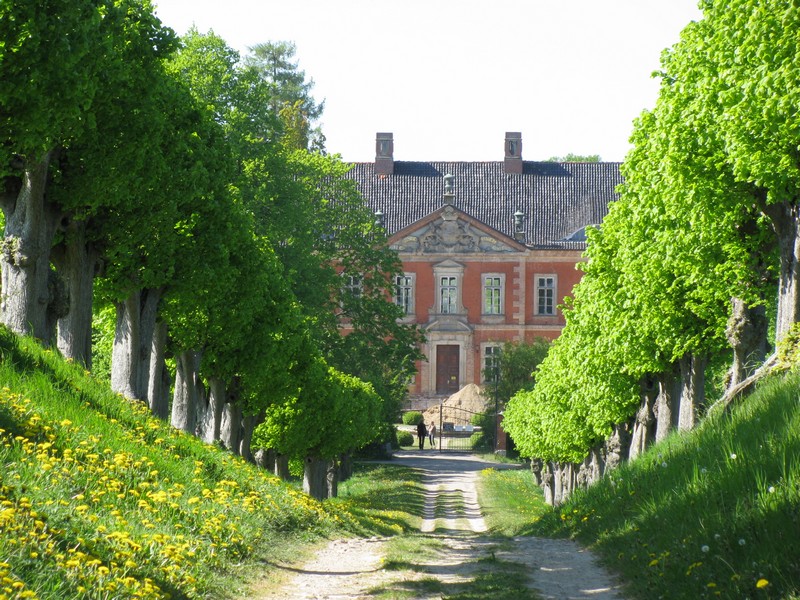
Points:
(351, 569)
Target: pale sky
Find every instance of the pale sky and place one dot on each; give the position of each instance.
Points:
(449, 77)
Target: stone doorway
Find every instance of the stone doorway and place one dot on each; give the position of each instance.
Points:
(447, 369)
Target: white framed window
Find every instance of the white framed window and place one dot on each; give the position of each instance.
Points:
(493, 288)
(352, 285)
(545, 295)
(491, 362)
(448, 277)
(404, 292)
(448, 294)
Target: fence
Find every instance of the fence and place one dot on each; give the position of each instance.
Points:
(457, 433)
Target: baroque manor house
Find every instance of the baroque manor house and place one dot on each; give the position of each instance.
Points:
(489, 250)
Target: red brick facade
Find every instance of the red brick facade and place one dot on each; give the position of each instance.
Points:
(477, 318)
(489, 249)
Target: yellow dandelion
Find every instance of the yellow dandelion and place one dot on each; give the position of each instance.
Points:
(762, 583)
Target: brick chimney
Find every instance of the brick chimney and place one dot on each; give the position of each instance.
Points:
(384, 154)
(513, 157)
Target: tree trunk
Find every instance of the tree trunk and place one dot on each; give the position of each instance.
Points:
(186, 398)
(745, 387)
(747, 334)
(591, 469)
(537, 468)
(158, 380)
(77, 262)
(124, 355)
(30, 224)
(315, 482)
(568, 478)
(644, 423)
(558, 484)
(616, 448)
(213, 413)
(345, 466)
(231, 427)
(332, 479)
(265, 459)
(548, 483)
(666, 415)
(58, 303)
(249, 423)
(785, 222)
(693, 390)
(282, 466)
(597, 465)
(148, 319)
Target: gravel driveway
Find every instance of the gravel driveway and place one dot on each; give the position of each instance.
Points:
(350, 569)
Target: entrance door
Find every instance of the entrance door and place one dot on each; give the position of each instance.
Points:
(447, 360)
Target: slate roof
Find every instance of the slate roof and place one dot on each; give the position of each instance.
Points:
(558, 199)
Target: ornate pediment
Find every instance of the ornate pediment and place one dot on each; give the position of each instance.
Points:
(450, 233)
(448, 324)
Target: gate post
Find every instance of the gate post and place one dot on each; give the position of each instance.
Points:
(441, 419)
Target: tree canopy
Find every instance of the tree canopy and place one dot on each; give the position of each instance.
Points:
(189, 190)
(289, 93)
(710, 194)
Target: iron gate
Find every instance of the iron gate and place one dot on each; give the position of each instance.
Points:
(456, 431)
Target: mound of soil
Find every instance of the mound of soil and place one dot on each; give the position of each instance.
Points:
(459, 407)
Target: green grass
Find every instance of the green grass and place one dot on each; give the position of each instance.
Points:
(100, 500)
(410, 552)
(711, 514)
(511, 500)
(384, 499)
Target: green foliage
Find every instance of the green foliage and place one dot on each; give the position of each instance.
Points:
(481, 441)
(570, 157)
(571, 409)
(405, 438)
(32, 123)
(714, 506)
(289, 94)
(412, 417)
(690, 231)
(518, 363)
(99, 497)
(789, 349)
(321, 227)
(331, 413)
(103, 342)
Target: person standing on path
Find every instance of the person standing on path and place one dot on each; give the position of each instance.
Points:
(432, 434)
(421, 433)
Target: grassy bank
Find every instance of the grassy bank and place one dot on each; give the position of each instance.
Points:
(100, 500)
(711, 514)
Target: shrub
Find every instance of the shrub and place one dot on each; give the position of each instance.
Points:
(484, 439)
(296, 467)
(480, 441)
(412, 417)
(404, 438)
